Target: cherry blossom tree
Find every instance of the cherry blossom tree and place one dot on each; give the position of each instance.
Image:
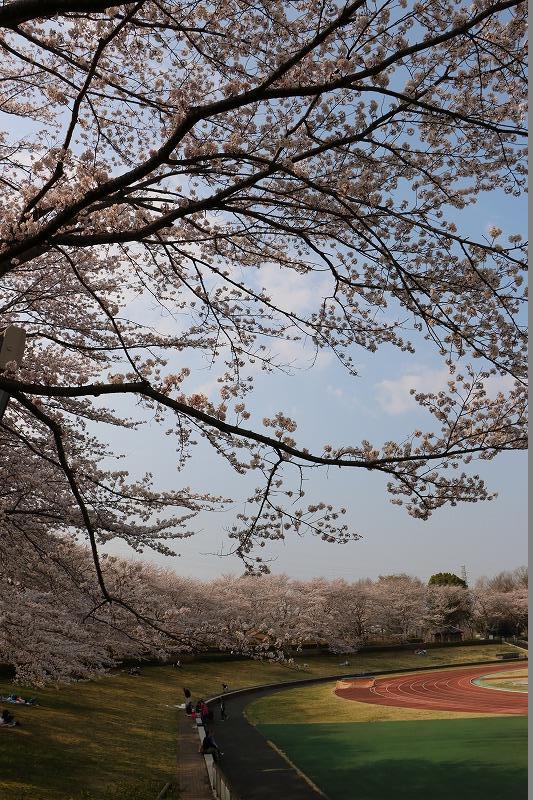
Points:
(55, 627)
(501, 602)
(448, 606)
(266, 616)
(345, 613)
(399, 603)
(160, 155)
(498, 611)
(508, 580)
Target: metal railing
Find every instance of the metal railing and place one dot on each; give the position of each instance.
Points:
(221, 785)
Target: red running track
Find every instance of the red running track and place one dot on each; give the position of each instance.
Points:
(450, 690)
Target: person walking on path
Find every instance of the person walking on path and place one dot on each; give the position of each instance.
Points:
(204, 713)
(223, 714)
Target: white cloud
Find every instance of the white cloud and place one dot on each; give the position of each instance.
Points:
(210, 388)
(393, 396)
(299, 355)
(498, 383)
(291, 290)
(335, 391)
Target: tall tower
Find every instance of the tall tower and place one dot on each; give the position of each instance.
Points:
(463, 574)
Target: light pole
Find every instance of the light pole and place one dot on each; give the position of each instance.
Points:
(12, 342)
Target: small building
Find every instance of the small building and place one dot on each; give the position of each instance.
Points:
(449, 633)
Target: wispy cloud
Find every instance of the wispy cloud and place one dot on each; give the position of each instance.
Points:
(394, 397)
(292, 291)
(335, 391)
(297, 355)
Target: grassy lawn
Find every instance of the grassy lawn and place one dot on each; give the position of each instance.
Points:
(464, 759)
(319, 704)
(115, 738)
(512, 681)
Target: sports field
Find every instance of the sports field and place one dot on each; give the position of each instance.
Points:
(455, 759)
(374, 743)
(115, 738)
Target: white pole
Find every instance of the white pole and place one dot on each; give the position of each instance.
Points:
(12, 343)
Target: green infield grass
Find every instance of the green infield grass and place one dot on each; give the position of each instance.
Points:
(456, 759)
(512, 681)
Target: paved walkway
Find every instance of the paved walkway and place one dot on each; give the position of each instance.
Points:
(193, 783)
(255, 771)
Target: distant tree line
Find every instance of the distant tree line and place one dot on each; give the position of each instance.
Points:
(54, 626)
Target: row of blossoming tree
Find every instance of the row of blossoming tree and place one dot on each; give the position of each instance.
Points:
(56, 627)
(158, 156)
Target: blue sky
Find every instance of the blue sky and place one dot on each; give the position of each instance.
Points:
(486, 537)
(333, 408)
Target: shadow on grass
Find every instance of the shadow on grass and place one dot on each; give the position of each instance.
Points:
(416, 777)
(97, 734)
(457, 759)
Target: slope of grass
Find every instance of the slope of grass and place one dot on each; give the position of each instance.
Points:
(115, 738)
(464, 759)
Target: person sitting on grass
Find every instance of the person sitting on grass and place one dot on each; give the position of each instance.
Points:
(8, 719)
(15, 698)
(210, 747)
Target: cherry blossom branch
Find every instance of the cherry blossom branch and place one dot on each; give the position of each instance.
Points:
(55, 429)
(109, 598)
(60, 165)
(17, 11)
(34, 243)
(18, 390)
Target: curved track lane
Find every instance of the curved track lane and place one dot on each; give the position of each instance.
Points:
(450, 690)
(253, 768)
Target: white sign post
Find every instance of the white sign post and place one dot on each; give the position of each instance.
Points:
(12, 342)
